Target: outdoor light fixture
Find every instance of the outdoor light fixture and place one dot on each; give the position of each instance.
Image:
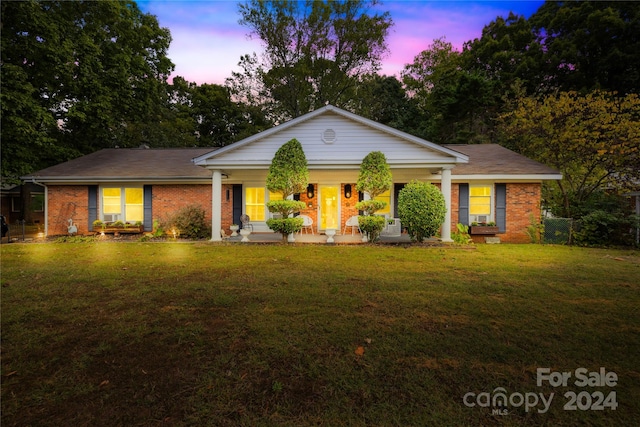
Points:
(347, 191)
(310, 191)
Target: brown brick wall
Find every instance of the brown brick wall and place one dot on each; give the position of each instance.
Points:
(348, 206)
(311, 211)
(166, 199)
(523, 200)
(68, 201)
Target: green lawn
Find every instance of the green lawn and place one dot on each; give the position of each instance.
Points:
(146, 334)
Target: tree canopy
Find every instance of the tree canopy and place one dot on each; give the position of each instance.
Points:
(77, 76)
(594, 140)
(314, 52)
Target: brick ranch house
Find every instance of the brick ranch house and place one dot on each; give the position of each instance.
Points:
(480, 183)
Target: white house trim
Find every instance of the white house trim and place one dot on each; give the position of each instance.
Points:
(216, 206)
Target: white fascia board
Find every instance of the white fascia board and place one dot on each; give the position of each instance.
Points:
(333, 164)
(107, 179)
(507, 177)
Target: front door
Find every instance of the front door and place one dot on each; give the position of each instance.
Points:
(329, 207)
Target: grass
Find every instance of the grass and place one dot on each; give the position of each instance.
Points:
(177, 334)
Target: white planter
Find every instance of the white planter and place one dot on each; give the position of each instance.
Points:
(234, 229)
(330, 232)
(245, 234)
(290, 238)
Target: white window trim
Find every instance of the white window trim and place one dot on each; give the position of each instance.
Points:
(122, 200)
(492, 212)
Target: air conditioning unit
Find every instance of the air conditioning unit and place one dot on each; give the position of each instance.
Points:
(111, 217)
(482, 218)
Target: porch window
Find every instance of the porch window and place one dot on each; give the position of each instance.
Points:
(480, 203)
(384, 197)
(124, 204)
(255, 203)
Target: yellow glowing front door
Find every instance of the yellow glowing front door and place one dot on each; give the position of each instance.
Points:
(329, 204)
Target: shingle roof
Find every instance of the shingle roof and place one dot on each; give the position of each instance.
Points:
(494, 159)
(174, 164)
(134, 163)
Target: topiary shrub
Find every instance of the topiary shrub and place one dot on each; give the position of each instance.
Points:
(371, 225)
(188, 221)
(421, 210)
(374, 179)
(288, 175)
(375, 174)
(285, 226)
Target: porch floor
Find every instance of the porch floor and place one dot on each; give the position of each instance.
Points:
(319, 238)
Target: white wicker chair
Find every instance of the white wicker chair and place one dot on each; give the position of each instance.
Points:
(353, 223)
(307, 223)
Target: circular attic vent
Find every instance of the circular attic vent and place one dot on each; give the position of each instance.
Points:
(329, 136)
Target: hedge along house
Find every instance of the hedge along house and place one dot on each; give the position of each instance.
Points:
(480, 183)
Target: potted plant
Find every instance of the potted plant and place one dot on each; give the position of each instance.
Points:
(98, 224)
(483, 228)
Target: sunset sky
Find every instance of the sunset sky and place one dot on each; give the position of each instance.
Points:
(208, 41)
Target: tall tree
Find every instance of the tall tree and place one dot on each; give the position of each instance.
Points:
(205, 116)
(594, 140)
(384, 100)
(456, 104)
(314, 52)
(509, 53)
(591, 44)
(76, 77)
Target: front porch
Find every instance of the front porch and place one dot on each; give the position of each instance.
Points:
(339, 239)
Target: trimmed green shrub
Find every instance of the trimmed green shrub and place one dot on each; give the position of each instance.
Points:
(285, 207)
(421, 210)
(371, 225)
(189, 222)
(375, 174)
(369, 207)
(374, 179)
(285, 226)
(288, 174)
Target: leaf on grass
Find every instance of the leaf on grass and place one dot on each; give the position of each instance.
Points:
(359, 351)
(104, 383)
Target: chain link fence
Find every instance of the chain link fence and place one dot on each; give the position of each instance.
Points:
(558, 230)
(20, 231)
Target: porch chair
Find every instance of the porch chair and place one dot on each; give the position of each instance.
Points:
(353, 223)
(246, 222)
(307, 223)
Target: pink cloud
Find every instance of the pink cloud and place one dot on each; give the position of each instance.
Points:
(208, 41)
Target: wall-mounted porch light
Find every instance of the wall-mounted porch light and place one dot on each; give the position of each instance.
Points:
(310, 191)
(347, 191)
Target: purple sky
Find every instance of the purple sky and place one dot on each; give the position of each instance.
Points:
(208, 41)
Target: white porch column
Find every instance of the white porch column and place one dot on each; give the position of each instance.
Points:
(445, 187)
(216, 206)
